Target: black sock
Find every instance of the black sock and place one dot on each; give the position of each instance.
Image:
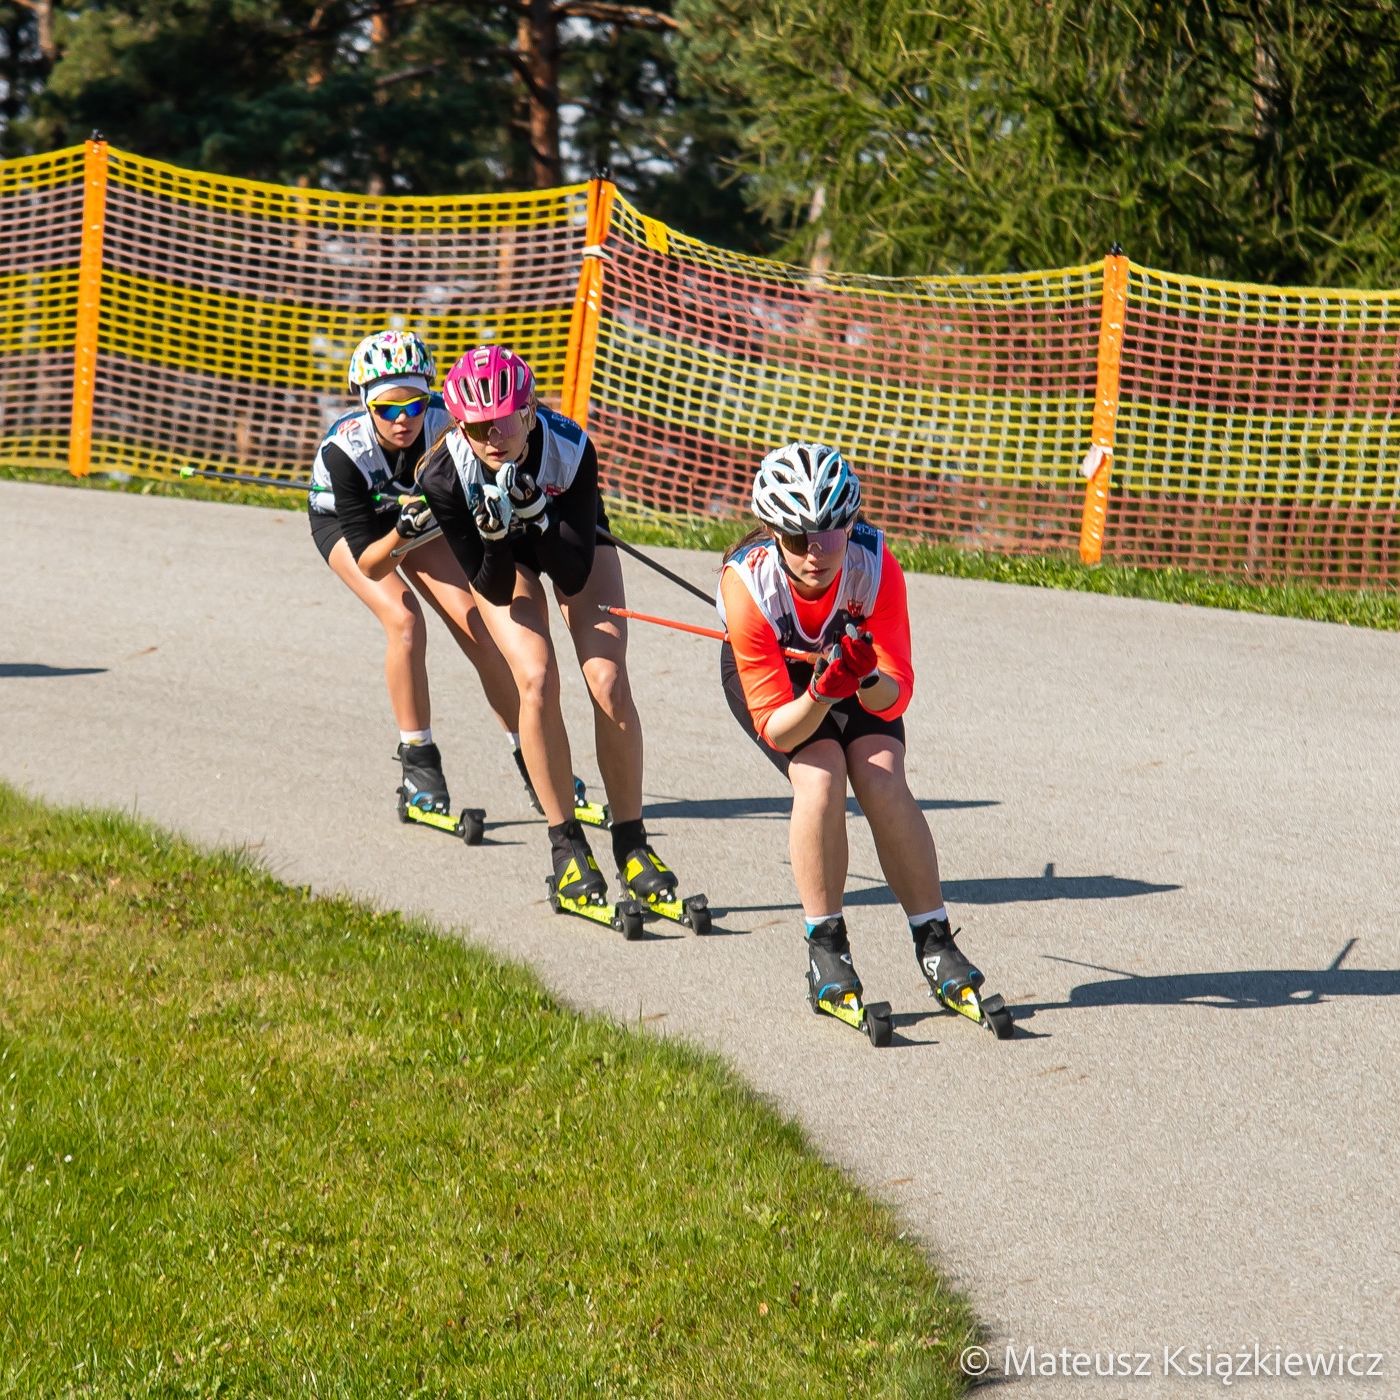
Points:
(563, 836)
(626, 837)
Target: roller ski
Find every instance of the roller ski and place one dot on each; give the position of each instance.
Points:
(423, 795)
(589, 813)
(955, 982)
(834, 989)
(652, 883)
(577, 886)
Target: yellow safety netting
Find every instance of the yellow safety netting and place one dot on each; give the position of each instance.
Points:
(201, 320)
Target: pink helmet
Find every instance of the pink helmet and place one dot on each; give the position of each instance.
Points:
(487, 383)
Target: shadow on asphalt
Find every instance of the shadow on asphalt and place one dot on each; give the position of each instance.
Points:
(658, 808)
(26, 670)
(1001, 890)
(1224, 991)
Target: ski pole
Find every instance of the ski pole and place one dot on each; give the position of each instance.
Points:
(399, 550)
(791, 653)
(233, 478)
(652, 564)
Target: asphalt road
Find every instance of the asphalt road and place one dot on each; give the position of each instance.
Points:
(1171, 837)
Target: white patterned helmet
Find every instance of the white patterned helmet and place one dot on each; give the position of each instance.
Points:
(389, 353)
(805, 486)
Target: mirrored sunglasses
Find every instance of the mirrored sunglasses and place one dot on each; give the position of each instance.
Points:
(818, 541)
(481, 432)
(391, 412)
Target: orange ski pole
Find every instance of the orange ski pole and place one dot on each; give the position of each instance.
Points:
(792, 655)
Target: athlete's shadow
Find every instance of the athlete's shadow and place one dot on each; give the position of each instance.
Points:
(1000, 890)
(27, 670)
(1224, 991)
(659, 807)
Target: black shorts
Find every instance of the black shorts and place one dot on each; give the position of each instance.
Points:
(326, 531)
(845, 722)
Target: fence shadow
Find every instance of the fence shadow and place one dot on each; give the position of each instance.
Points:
(1246, 990)
(27, 670)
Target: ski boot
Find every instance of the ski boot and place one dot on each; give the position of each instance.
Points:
(577, 886)
(653, 883)
(589, 813)
(834, 987)
(954, 980)
(423, 795)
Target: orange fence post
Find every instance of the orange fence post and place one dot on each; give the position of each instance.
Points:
(1098, 461)
(89, 306)
(588, 302)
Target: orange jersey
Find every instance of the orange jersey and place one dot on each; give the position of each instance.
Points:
(762, 615)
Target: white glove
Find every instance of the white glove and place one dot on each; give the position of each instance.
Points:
(491, 508)
(527, 501)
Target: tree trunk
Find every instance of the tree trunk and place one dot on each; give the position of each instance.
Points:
(381, 157)
(820, 260)
(48, 46)
(537, 38)
(42, 10)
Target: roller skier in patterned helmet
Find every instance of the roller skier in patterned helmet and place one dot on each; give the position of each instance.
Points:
(365, 462)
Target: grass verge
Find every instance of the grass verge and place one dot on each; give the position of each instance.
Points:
(1353, 608)
(258, 1143)
(1357, 608)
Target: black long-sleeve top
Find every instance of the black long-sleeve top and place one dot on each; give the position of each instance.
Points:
(363, 519)
(563, 550)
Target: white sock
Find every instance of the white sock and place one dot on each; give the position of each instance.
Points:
(513, 740)
(415, 736)
(940, 913)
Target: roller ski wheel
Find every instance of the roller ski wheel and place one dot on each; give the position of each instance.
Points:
(470, 826)
(989, 1011)
(870, 1017)
(693, 912)
(589, 813)
(593, 814)
(834, 988)
(652, 883)
(955, 983)
(626, 916)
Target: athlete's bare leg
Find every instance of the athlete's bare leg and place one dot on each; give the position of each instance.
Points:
(520, 629)
(600, 642)
(396, 607)
(817, 832)
(433, 570)
(903, 840)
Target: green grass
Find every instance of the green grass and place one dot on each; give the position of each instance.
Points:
(258, 1143)
(1349, 607)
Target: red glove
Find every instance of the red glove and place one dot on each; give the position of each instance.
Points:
(833, 678)
(858, 652)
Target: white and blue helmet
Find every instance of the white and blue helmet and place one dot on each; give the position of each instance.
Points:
(805, 486)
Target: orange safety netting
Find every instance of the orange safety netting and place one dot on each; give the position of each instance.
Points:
(41, 205)
(1258, 431)
(158, 318)
(964, 403)
(229, 308)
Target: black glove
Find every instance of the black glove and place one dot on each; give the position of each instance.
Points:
(415, 518)
(527, 501)
(490, 509)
